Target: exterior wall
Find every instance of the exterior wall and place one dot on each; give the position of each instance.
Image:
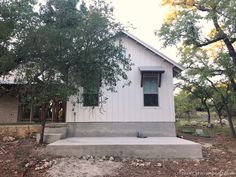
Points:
(8, 109)
(127, 104)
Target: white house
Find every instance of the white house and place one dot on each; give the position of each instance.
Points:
(138, 121)
(146, 106)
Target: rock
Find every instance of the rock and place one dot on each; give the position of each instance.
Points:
(193, 123)
(216, 151)
(8, 139)
(225, 121)
(32, 163)
(175, 162)
(141, 164)
(27, 165)
(214, 169)
(111, 158)
(206, 145)
(159, 164)
(139, 160)
(124, 160)
(37, 168)
(147, 163)
(104, 158)
(84, 158)
(87, 157)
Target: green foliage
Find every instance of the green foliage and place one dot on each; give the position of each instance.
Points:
(66, 46)
(210, 59)
(15, 18)
(185, 105)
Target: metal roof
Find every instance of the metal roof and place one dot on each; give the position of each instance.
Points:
(151, 69)
(155, 51)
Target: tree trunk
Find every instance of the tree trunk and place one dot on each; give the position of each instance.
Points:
(218, 111)
(231, 125)
(64, 111)
(56, 109)
(43, 119)
(53, 111)
(208, 111)
(31, 110)
(208, 115)
(229, 117)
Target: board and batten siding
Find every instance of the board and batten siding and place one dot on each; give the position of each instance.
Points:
(126, 105)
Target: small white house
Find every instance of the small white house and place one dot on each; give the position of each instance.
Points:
(146, 106)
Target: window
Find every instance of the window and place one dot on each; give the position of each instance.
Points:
(150, 90)
(90, 98)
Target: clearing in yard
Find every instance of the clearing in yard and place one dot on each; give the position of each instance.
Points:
(24, 157)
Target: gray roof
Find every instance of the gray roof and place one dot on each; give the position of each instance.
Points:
(155, 51)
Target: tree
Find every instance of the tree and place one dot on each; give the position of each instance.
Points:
(202, 24)
(185, 105)
(15, 17)
(209, 79)
(204, 32)
(198, 91)
(69, 47)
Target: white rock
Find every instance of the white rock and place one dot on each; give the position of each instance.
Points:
(194, 123)
(206, 145)
(27, 165)
(159, 164)
(133, 163)
(147, 163)
(141, 164)
(104, 158)
(111, 158)
(124, 160)
(8, 139)
(37, 168)
(175, 162)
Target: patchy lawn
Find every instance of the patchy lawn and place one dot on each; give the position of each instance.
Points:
(24, 157)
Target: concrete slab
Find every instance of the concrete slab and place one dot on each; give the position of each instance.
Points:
(50, 137)
(127, 147)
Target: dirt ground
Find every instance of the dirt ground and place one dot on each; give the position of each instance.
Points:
(25, 158)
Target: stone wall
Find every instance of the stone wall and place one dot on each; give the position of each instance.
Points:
(8, 109)
(19, 131)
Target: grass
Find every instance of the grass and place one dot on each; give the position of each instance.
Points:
(183, 125)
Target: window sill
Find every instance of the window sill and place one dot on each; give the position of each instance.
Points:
(90, 107)
(150, 107)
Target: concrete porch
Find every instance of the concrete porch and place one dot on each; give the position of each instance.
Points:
(127, 147)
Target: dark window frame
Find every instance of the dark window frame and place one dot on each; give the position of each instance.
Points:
(151, 99)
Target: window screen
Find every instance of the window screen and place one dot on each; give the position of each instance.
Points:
(150, 90)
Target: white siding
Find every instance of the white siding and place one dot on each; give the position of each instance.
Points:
(127, 104)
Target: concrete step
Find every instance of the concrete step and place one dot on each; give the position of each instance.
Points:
(127, 147)
(59, 130)
(50, 137)
(56, 124)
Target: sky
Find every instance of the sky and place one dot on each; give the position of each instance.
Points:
(145, 16)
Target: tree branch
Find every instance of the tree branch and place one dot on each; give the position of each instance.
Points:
(210, 41)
